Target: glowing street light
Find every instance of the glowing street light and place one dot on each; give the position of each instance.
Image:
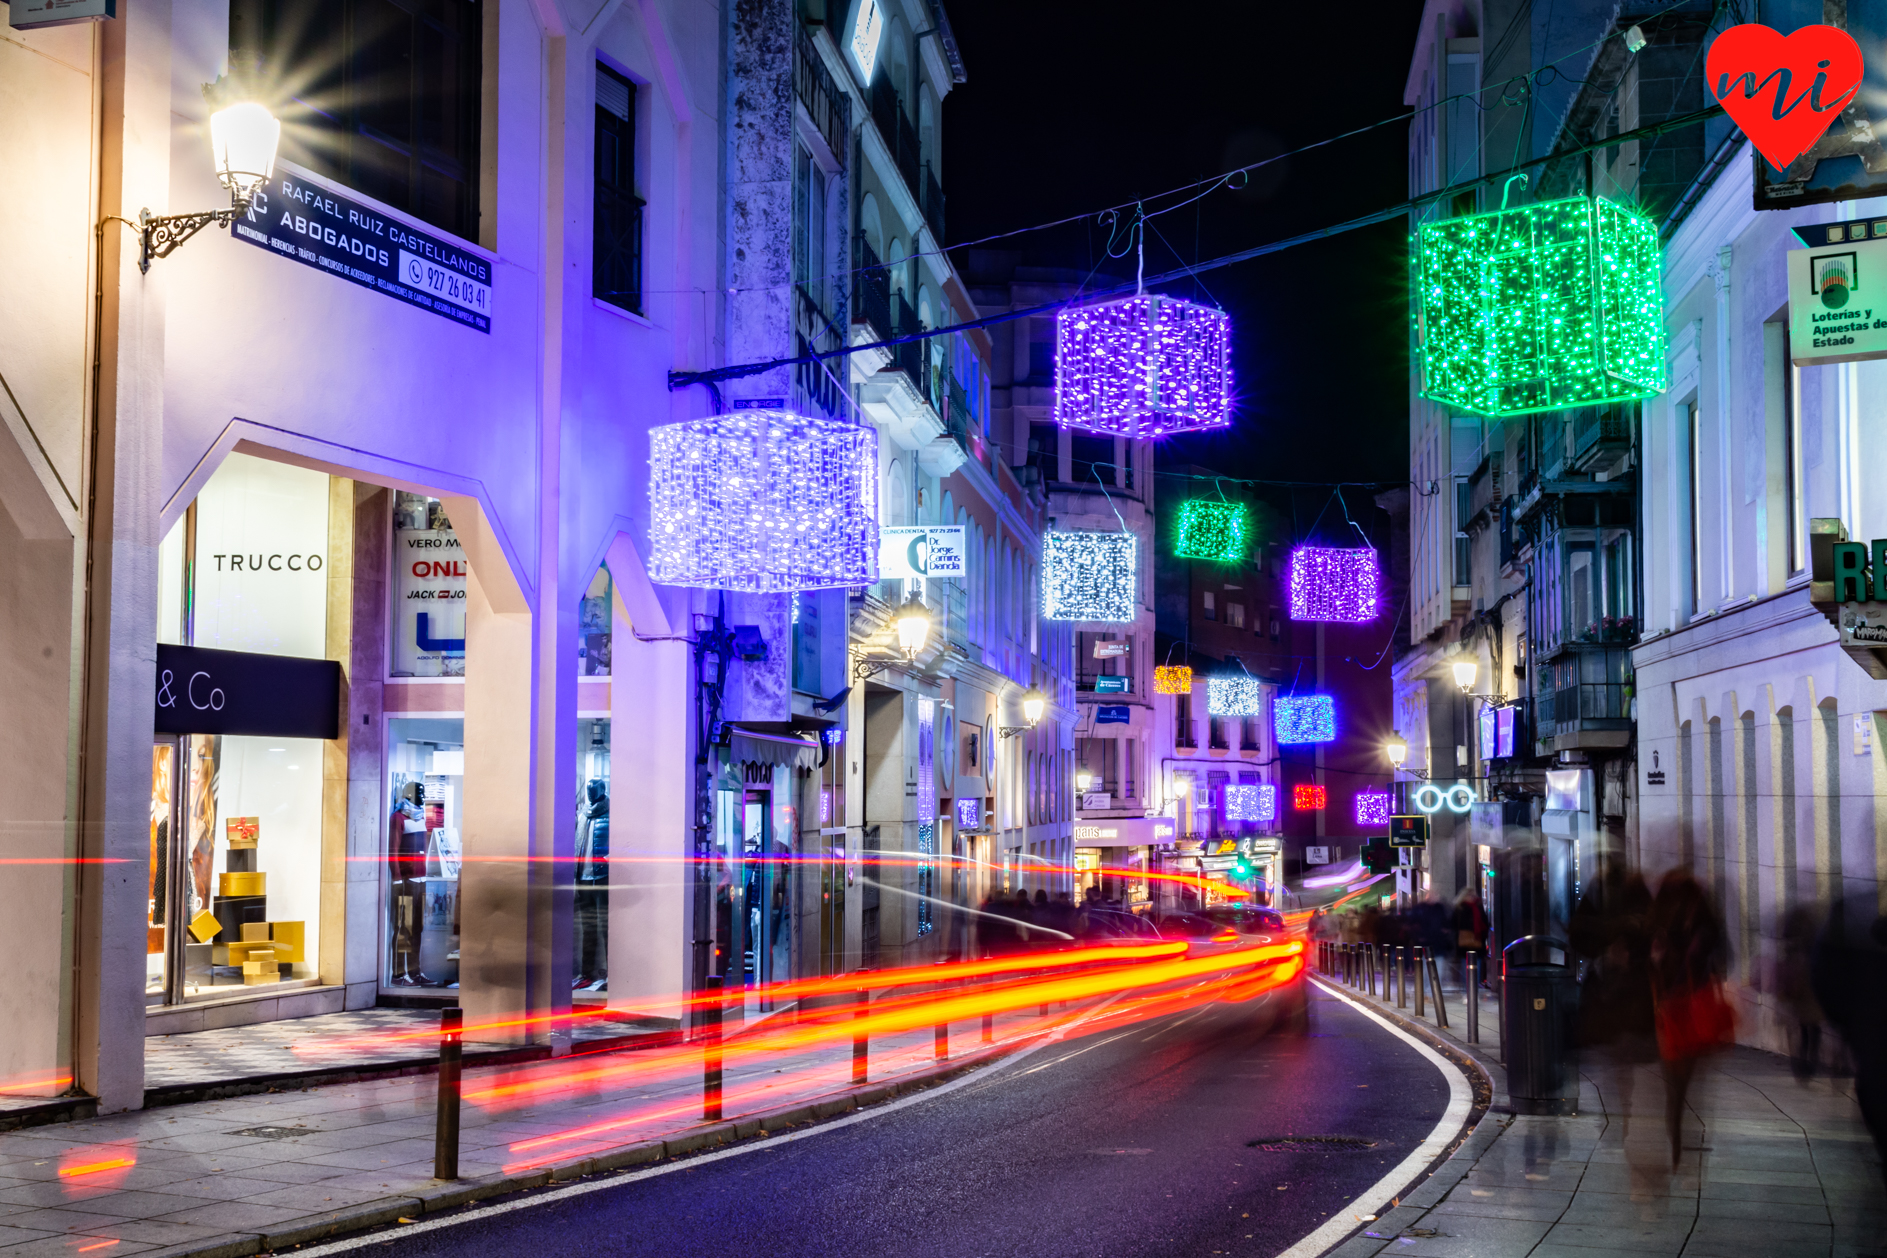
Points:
(1464, 669)
(1397, 749)
(243, 139)
(913, 621)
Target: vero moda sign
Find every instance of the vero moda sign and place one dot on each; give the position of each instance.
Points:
(1784, 90)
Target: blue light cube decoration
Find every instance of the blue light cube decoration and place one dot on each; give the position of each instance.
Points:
(1090, 576)
(1251, 801)
(970, 812)
(1334, 584)
(1305, 719)
(1541, 308)
(1218, 531)
(1372, 808)
(1143, 366)
(763, 501)
(1234, 694)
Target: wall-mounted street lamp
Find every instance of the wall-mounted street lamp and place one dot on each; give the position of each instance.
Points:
(1083, 780)
(912, 622)
(1464, 670)
(1397, 749)
(1034, 703)
(243, 139)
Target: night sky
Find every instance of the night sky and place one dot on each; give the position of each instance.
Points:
(1074, 105)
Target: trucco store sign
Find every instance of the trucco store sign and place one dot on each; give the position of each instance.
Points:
(310, 223)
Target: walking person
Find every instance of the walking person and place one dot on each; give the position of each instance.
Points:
(1611, 931)
(1688, 957)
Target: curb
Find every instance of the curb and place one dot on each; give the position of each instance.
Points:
(1448, 1171)
(449, 1195)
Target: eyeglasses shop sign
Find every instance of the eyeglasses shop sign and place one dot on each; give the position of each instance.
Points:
(302, 219)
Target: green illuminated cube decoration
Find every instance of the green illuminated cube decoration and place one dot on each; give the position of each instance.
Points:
(1541, 308)
(1212, 530)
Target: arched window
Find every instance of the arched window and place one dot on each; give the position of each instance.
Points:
(870, 224)
(897, 494)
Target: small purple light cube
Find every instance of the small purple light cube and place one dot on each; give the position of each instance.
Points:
(1372, 808)
(1143, 366)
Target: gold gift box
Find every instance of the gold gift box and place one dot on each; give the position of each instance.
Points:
(242, 832)
(291, 941)
(242, 884)
(260, 972)
(204, 926)
(242, 953)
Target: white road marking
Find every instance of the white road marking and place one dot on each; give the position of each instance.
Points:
(1090, 1048)
(1175, 1026)
(979, 1075)
(1376, 1197)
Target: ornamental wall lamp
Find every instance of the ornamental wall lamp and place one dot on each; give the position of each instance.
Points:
(1034, 703)
(243, 139)
(912, 621)
(1465, 668)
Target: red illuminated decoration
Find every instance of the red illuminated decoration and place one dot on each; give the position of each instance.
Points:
(1306, 797)
(1783, 90)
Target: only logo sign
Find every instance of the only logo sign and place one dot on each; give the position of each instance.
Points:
(1783, 90)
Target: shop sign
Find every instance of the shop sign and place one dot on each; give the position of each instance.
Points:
(1316, 856)
(1098, 800)
(29, 14)
(922, 551)
(429, 591)
(205, 691)
(1112, 685)
(1409, 831)
(306, 221)
(1838, 293)
(1108, 650)
(1113, 714)
(1654, 776)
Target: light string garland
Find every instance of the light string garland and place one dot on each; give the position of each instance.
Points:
(1541, 308)
(1143, 366)
(1309, 797)
(1234, 694)
(1372, 808)
(1089, 576)
(1251, 801)
(1172, 679)
(763, 501)
(1217, 531)
(1338, 585)
(1304, 719)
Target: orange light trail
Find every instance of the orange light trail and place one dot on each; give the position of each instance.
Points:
(93, 1168)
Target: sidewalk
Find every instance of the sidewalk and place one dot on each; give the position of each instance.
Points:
(1772, 1167)
(257, 1173)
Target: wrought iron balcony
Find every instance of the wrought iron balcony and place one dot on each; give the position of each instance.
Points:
(871, 293)
(932, 202)
(829, 108)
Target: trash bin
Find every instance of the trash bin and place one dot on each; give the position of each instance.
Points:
(1538, 1001)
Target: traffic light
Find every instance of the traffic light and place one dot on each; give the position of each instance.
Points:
(1379, 858)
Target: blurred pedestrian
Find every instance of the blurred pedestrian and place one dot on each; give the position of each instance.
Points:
(1795, 988)
(1023, 911)
(1688, 956)
(1470, 926)
(1611, 931)
(1850, 984)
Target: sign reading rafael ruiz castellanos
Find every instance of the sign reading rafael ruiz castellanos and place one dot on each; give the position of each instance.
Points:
(302, 218)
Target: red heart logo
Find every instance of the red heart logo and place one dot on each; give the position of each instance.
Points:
(1784, 90)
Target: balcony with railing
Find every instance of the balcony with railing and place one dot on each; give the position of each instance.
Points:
(820, 385)
(829, 108)
(896, 130)
(871, 293)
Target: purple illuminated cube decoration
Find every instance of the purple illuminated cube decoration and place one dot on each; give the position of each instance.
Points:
(1333, 584)
(1143, 366)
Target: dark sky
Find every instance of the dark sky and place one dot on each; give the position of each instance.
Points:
(1073, 105)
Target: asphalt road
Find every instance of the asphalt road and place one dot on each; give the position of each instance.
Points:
(1135, 1143)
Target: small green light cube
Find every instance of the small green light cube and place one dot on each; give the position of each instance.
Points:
(1214, 530)
(1541, 308)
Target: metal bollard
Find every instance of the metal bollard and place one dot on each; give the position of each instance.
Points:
(445, 1140)
(1441, 1006)
(1402, 977)
(989, 1028)
(1369, 969)
(1421, 1003)
(1474, 998)
(861, 1008)
(711, 1052)
(943, 1040)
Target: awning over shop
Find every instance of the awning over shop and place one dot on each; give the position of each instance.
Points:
(748, 747)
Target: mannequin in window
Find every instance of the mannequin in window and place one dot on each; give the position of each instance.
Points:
(592, 907)
(406, 852)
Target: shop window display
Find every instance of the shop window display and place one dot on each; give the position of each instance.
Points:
(593, 627)
(425, 784)
(236, 821)
(591, 954)
(428, 591)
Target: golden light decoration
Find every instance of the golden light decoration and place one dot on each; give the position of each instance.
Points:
(1172, 679)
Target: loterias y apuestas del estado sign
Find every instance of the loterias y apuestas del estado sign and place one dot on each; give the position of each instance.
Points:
(298, 218)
